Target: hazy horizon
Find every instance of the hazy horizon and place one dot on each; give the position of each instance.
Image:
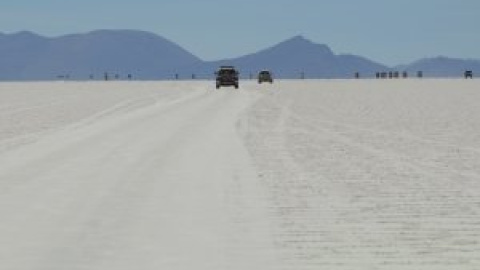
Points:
(386, 32)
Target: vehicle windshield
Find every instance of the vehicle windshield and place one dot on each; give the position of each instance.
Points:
(227, 72)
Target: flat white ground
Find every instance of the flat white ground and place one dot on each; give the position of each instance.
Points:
(295, 175)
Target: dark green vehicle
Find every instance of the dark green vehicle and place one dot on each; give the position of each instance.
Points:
(468, 74)
(265, 76)
(226, 76)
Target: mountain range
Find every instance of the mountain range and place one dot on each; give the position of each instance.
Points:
(146, 56)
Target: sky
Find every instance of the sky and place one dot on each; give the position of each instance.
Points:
(390, 31)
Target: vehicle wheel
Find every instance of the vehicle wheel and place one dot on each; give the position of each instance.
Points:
(218, 86)
(236, 86)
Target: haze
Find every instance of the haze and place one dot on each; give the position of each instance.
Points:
(385, 31)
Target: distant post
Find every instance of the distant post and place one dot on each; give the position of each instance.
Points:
(357, 75)
(302, 75)
(405, 75)
(105, 76)
(420, 74)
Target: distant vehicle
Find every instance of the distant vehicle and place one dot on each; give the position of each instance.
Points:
(468, 74)
(265, 76)
(227, 76)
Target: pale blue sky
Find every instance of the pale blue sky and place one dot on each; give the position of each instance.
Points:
(388, 31)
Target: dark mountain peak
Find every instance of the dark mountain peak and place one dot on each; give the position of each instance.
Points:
(436, 58)
(123, 44)
(24, 35)
(297, 42)
(25, 41)
(299, 39)
(443, 66)
(123, 33)
(441, 60)
(118, 36)
(301, 44)
(441, 57)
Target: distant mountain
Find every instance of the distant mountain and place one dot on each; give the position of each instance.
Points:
(28, 56)
(297, 56)
(442, 66)
(19, 51)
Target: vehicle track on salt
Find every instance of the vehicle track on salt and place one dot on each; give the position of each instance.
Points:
(328, 174)
(164, 186)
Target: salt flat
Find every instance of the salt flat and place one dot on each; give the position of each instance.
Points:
(347, 174)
